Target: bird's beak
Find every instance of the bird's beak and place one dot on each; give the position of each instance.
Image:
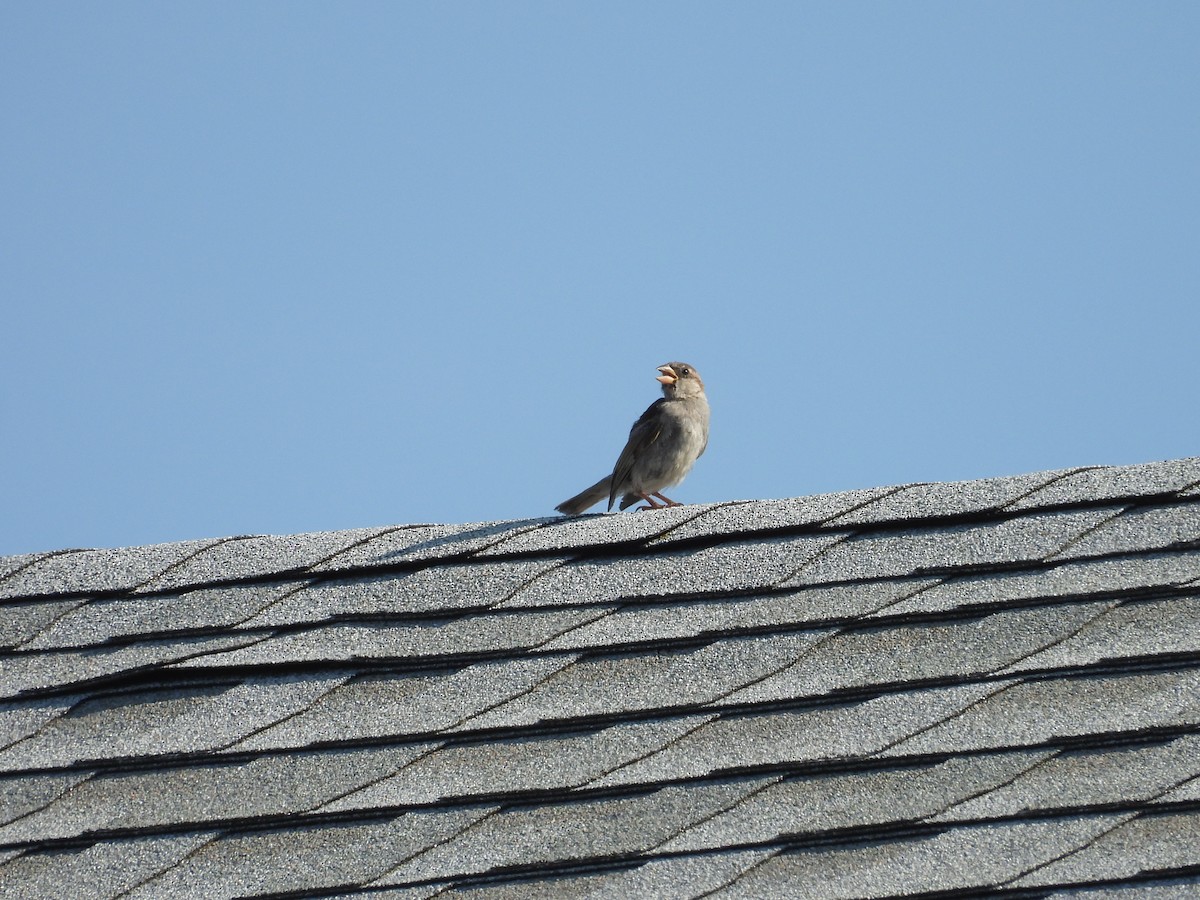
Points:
(668, 375)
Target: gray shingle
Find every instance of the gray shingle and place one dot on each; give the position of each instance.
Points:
(345, 643)
(663, 879)
(1156, 528)
(638, 624)
(389, 705)
(211, 794)
(94, 571)
(450, 588)
(331, 855)
(607, 685)
(845, 695)
(793, 806)
(95, 871)
(634, 623)
(29, 672)
(770, 515)
(257, 557)
(1035, 711)
(414, 543)
(845, 731)
(925, 651)
(559, 535)
(925, 501)
(740, 566)
(1186, 792)
(518, 764)
(1088, 777)
(658, 879)
(153, 723)
(1134, 628)
(23, 622)
(20, 796)
(11, 564)
(1166, 889)
(423, 892)
(20, 719)
(571, 831)
(920, 551)
(1116, 482)
(98, 621)
(1148, 842)
(998, 853)
(1067, 579)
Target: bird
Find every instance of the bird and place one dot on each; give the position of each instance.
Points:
(663, 444)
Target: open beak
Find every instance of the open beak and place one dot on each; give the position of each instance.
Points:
(668, 375)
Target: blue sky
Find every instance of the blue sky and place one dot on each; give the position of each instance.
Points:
(285, 267)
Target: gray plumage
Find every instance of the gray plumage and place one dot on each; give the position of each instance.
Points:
(663, 445)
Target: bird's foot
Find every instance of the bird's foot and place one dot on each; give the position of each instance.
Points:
(649, 498)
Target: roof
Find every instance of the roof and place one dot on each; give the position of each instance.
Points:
(845, 695)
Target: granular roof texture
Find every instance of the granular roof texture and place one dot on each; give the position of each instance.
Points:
(989, 688)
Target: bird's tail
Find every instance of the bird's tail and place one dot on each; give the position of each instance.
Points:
(589, 497)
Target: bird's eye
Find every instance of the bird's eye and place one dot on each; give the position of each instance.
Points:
(685, 371)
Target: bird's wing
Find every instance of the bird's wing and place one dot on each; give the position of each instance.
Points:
(645, 431)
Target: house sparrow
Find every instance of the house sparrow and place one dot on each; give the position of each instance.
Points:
(663, 444)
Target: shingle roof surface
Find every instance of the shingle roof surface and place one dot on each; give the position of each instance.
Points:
(987, 688)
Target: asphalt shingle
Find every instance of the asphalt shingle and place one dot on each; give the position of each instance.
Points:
(1162, 841)
(162, 722)
(243, 558)
(1116, 483)
(845, 694)
(922, 551)
(372, 706)
(961, 648)
(838, 732)
(24, 622)
(738, 519)
(1154, 528)
(1132, 629)
(610, 685)
(1077, 578)
(998, 854)
(19, 720)
(86, 624)
(1111, 775)
(516, 765)
(1031, 712)
(333, 854)
(963, 498)
(573, 533)
(810, 805)
(740, 566)
(346, 642)
(30, 672)
(97, 571)
(417, 543)
(12, 564)
(523, 836)
(96, 871)
(25, 794)
(213, 794)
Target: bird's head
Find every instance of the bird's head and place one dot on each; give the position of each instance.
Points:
(679, 381)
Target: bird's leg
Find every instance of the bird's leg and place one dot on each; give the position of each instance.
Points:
(649, 498)
(667, 501)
